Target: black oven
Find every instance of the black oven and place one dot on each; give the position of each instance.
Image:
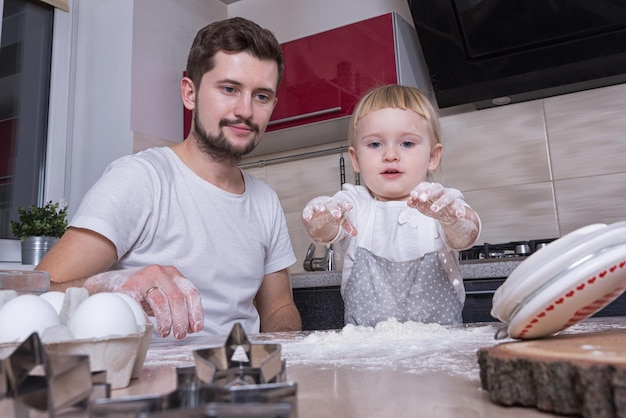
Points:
(479, 295)
(479, 290)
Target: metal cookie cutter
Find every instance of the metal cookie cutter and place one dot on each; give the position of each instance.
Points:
(238, 379)
(255, 363)
(31, 379)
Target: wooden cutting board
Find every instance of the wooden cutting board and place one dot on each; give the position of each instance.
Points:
(575, 374)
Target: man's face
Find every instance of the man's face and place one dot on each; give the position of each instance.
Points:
(234, 105)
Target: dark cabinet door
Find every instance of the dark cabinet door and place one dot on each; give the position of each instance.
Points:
(320, 308)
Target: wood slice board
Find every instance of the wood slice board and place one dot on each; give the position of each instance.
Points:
(573, 374)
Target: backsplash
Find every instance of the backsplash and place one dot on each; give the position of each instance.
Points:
(531, 170)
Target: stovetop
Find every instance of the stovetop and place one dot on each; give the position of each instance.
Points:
(517, 250)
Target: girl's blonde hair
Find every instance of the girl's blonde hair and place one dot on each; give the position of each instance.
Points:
(398, 97)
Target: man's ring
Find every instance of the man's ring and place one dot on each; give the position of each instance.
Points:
(145, 295)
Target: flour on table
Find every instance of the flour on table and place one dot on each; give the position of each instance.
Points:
(412, 346)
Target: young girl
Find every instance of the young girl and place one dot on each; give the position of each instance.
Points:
(399, 233)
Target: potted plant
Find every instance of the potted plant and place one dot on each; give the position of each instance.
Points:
(39, 228)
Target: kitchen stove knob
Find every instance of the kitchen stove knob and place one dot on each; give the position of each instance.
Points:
(522, 249)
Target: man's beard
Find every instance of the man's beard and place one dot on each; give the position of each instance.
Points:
(217, 146)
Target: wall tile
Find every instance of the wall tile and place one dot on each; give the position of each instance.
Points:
(501, 159)
(258, 172)
(587, 132)
(495, 147)
(297, 182)
(588, 200)
(515, 213)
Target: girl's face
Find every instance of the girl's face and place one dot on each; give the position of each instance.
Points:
(393, 151)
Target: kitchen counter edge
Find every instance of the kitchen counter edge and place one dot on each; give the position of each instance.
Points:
(482, 270)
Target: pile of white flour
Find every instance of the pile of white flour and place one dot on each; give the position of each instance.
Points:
(412, 346)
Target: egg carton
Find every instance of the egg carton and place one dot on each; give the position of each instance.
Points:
(120, 354)
(121, 357)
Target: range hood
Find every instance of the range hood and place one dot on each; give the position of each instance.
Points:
(492, 52)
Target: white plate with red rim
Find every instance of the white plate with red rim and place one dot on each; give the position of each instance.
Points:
(564, 283)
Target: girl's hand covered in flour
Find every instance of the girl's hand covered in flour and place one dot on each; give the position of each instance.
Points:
(162, 291)
(459, 222)
(436, 201)
(323, 216)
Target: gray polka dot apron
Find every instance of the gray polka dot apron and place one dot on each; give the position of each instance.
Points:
(428, 289)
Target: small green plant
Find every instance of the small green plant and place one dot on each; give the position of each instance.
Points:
(50, 220)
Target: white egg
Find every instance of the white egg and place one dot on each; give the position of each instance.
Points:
(140, 315)
(55, 299)
(102, 315)
(23, 315)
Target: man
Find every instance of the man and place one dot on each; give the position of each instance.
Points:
(182, 229)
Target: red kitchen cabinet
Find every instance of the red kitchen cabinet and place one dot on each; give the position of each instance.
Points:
(327, 73)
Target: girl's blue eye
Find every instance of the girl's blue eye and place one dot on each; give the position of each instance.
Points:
(374, 145)
(408, 144)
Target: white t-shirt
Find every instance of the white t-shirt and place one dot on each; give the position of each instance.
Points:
(157, 211)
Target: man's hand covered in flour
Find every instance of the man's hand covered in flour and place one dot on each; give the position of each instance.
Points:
(459, 222)
(323, 216)
(162, 291)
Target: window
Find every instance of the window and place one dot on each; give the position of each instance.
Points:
(25, 57)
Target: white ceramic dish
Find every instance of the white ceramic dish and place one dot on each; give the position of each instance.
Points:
(564, 283)
(535, 270)
(576, 295)
(22, 281)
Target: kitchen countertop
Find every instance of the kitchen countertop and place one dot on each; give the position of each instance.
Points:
(315, 279)
(399, 370)
(478, 269)
(15, 266)
(392, 370)
(486, 269)
(474, 269)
